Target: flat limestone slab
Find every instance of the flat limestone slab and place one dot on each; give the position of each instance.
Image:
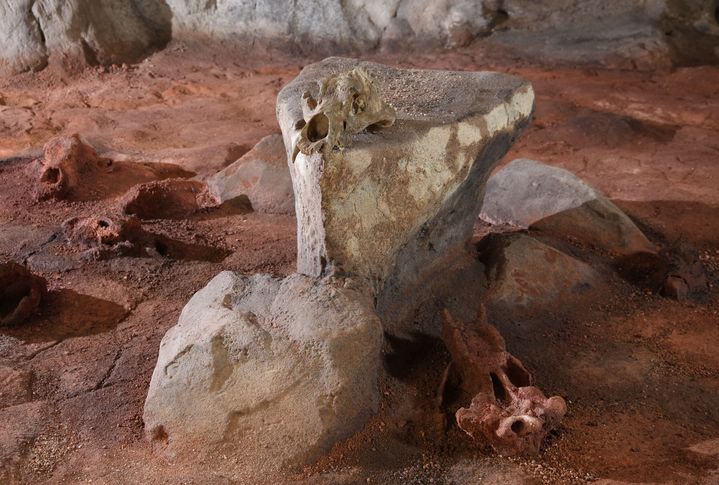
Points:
(393, 201)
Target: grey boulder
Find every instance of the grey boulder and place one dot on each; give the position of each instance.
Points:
(527, 193)
(268, 372)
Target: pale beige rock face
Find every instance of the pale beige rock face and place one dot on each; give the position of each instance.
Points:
(268, 372)
(396, 199)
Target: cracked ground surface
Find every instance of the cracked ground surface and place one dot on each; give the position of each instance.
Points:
(639, 371)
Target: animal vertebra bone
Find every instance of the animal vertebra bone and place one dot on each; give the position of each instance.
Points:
(510, 413)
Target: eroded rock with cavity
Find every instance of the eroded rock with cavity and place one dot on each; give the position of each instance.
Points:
(20, 293)
(391, 202)
(270, 372)
(527, 193)
(506, 410)
(71, 169)
(261, 175)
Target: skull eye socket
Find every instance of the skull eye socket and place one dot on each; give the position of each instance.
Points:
(318, 127)
(51, 175)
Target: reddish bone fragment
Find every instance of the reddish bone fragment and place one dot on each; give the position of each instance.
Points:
(507, 411)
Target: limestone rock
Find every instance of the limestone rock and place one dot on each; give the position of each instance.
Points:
(527, 193)
(525, 273)
(260, 367)
(21, 43)
(261, 175)
(87, 31)
(390, 204)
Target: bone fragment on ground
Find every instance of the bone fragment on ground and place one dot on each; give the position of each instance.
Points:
(388, 205)
(506, 410)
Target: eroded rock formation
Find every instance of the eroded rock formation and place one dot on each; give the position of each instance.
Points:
(625, 33)
(260, 175)
(529, 194)
(391, 204)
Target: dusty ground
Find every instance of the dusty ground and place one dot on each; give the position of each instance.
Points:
(640, 372)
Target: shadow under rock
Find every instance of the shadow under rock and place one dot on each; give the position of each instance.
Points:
(64, 314)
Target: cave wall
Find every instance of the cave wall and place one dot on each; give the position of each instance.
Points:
(624, 33)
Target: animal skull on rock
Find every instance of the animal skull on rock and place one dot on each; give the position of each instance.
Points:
(348, 103)
(510, 413)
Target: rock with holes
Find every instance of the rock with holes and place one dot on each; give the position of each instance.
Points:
(71, 169)
(556, 202)
(260, 175)
(387, 204)
(260, 367)
(20, 293)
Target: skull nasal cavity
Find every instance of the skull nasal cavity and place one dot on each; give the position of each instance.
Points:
(51, 175)
(318, 127)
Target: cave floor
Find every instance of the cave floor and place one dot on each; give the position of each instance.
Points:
(640, 372)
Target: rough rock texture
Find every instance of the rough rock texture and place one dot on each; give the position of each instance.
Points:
(259, 367)
(15, 386)
(506, 410)
(20, 293)
(525, 273)
(612, 32)
(527, 193)
(261, 175)
(166, 199)
(35, 31)
(394, 200)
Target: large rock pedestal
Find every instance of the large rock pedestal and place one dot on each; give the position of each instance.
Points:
(392, 204)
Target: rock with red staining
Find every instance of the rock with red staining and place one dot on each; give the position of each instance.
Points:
(507, 411)
(20, 293)
(71, 169)
(65, 160)
(166, 199)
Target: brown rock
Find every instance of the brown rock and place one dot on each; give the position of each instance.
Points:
(166, 199)
(20, 293)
